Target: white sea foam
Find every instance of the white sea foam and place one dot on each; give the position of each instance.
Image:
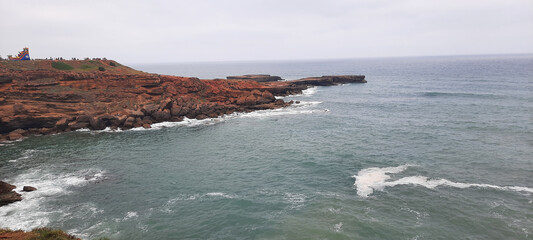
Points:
(219, 194)
(370, 179)
(309, 91)
(31, 212)
(337, 227)
(130, 215)
(334, 210)
(83, 130)
(306, 92)
(302, 107)
(297, 200)
(168, 206)
(6, 143)
(27, 154)
(108, 129)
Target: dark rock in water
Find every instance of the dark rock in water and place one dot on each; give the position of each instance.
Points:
(7, 195)
(6, 187)
(256, 77)
(10, 197)
(330, 80)
(28, 189)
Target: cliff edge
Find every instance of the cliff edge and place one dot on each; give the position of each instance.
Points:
(46, 96)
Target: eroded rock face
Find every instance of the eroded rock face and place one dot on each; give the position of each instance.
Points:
(7, 195)
(36, 99)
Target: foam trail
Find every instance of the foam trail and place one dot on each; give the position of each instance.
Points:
(219, 194)
(370, 179)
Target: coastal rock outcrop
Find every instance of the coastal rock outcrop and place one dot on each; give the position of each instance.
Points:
(35, 98)
(256, 77)
(7, 195)
(330, 80)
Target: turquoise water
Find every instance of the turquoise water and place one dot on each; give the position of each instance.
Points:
(429, 148)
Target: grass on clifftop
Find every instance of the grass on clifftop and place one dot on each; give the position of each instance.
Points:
(61, 66)
(109, 66)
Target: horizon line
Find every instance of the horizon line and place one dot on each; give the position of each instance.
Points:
(327, 59)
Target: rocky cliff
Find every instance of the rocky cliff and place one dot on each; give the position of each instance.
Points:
(43, 97)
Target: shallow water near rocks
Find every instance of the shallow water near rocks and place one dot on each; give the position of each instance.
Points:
(430, 147)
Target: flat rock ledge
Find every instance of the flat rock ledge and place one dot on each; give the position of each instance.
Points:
(256, 77)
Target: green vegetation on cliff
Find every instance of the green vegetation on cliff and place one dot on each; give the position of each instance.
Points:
(109, 66)
(61, 66)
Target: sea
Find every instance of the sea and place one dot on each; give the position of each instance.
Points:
(429, 148)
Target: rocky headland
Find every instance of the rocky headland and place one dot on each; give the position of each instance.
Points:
(256, 77)
(46, 96)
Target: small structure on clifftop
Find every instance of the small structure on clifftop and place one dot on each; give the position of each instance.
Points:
(23, 55)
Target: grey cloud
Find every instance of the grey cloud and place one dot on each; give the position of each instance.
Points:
(209, 30)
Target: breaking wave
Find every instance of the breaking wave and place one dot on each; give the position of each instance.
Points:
(370, 179)
(310, 91)
(302, 107)
(32, 212)
(307, 92)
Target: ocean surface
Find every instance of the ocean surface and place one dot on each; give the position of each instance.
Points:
(429, 148)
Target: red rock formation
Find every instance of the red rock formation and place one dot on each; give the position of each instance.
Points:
(35, 98)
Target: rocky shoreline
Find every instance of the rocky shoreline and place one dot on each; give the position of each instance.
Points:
(37, 99)
(8, 195)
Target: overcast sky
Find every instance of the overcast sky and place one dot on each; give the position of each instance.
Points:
(133, 31)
